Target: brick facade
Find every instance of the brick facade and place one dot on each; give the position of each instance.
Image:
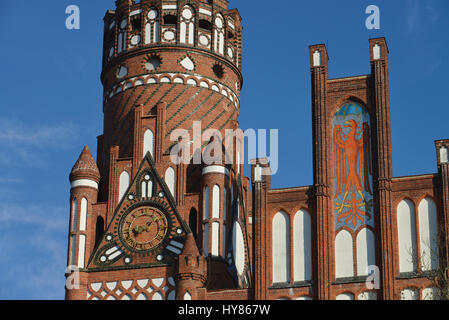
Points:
(220, 238)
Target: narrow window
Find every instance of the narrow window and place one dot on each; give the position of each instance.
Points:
(99, 230)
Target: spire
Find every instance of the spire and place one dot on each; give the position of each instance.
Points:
(85, 167)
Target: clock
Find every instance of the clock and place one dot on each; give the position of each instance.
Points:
(143, 229)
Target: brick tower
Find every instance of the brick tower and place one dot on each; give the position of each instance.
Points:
(141, 222)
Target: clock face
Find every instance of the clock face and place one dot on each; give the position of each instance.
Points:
(144, 228)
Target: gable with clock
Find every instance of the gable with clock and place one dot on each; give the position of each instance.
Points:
(146, 229)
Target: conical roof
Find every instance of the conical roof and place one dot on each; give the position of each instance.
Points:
(85, 167)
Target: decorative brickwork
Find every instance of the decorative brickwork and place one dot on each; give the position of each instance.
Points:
(143, 227)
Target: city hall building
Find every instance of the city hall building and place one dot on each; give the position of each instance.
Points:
(145, 228)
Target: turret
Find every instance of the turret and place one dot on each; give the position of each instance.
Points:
(84, 179)
(192, 272)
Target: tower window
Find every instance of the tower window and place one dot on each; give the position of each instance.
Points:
(218, 71)
(170, 19)
(136, 25)
(206, 25)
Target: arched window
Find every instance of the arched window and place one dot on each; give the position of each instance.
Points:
(219, 34)
(225, 204)
(302, 247)
(444, 155)
(82, 250)
(187, 296)
(136, 28)
(74, 215)
(122, 36)
(344, 257)
(206, 203)
(170, 180)
(83, 214)
(281, 248)
(216, 202)
(99, 230)
(428, 235)
(365, 251)
(123, 185)
(152, 27)
(193, 222)
(148, 142)
(406, 237)
(215, 250)
(187, 26)
(206, 240)
(73, 250)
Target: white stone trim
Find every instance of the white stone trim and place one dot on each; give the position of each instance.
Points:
(216, 169)
(169, 7)
(133, 13)
(84, 183)
(206, 12)
(162, 78)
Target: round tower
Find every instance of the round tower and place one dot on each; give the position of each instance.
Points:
(84, 179)
(185, 55)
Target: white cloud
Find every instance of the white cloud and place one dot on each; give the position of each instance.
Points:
(33, 239)
(432, 13)
(25, 145)
(13, 132)
(418, 15)
(47, 217)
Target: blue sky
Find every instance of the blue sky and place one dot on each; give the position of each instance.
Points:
(51, 105)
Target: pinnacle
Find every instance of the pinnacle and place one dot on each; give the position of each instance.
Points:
(85, 167)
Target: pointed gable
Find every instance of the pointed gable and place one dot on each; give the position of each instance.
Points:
(146, 229)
